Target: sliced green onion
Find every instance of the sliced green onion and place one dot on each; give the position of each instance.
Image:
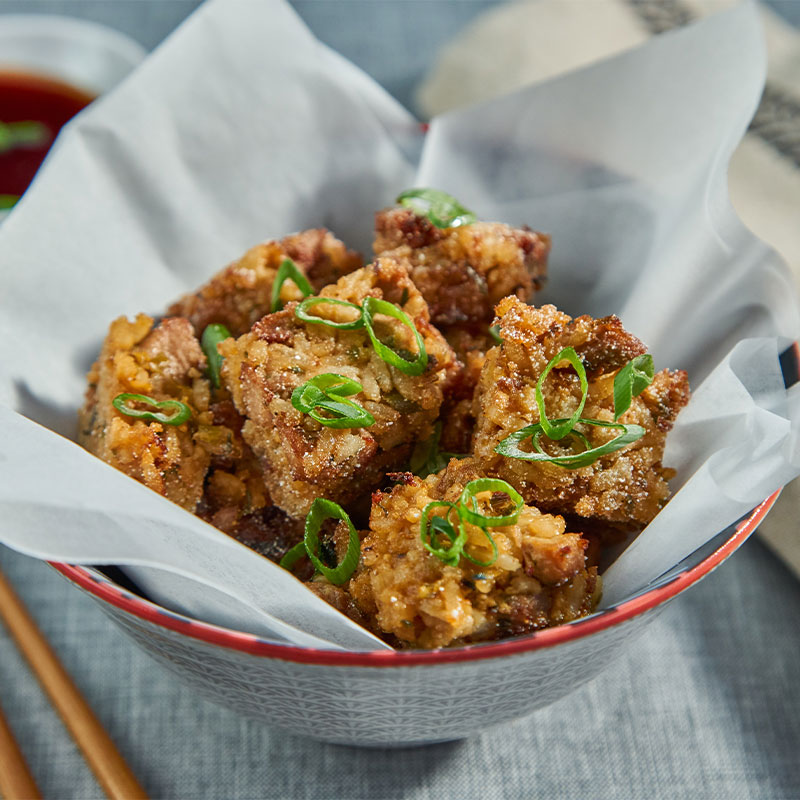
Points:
(288, 271)
(301, 312)
(293, 556)
(510, 445)
(474, 560)
(372, 306)
(8, 201)
(494, 333)
(431, 529)
(631, 381)
(322, 510)
(347, 414)
(559, 431)
(329, 392)
(469, 503)
(25, 133)
(180, 411)
(332, 383)
(442, 209)
(212, 336)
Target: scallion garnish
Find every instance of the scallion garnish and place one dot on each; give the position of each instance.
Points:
(180, 411)
(212, 336)
(559, 431)
(494, 333)
(442, 209)
(8, 201)
(431, 528)
(372, 306)
(288, 271)
(631, 381)
(469, 502)
(322, 510)
(293, 556)
(510, 446)
(366, 319)
(301, 312)
(330, 391)
(25, 133)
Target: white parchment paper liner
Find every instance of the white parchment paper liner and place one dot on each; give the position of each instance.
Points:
(243, 127)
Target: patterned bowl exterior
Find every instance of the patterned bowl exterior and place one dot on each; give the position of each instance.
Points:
(392, 699)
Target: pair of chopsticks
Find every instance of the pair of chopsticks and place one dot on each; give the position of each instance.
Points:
(110, 769)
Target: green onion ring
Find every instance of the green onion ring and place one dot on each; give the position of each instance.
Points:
(306, 397)
(372, 306)
(321, 510)
(288, 271)
(510, 445)
(329, 391)
(494, 333)
(350, 414)
(442, 209)
(333, 383)
(212, 336)
(631, 381)
(181, 412)
(428, 530)
(556, 431)
(468, 503)
(293, 556)
(301, 312)
(475, 560)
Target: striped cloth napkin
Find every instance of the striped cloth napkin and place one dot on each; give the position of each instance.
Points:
(531, 40)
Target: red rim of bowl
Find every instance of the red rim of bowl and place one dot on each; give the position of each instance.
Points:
(249, 643)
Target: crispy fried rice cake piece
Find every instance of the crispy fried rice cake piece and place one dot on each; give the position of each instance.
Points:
(463, 272)
(165, 363)
(204, 464)
(539, 578)
(301, 458)
(241, 293)
(627, 487)
(470, 343)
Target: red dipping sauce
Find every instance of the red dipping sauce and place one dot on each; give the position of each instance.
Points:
(32, 110)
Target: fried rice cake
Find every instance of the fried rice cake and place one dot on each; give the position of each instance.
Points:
(303, 459)
(470, 343)
(241, 293)
(464, 271)
(165, 363)
(538, 579)
(627, 487)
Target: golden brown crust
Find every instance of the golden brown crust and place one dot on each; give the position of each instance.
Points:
(464, 272)
(627, 487)
(241, 293)
(164, 363)
(538, 579)
(302, 459)
(470, 343)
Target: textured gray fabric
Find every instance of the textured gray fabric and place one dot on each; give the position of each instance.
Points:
(705, 705)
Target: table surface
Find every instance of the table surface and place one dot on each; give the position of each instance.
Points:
(705, 704)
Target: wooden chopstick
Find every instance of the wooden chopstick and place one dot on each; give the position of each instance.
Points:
(16, 781)
(108, 765)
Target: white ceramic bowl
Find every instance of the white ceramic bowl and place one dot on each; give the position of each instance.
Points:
(395, 699)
